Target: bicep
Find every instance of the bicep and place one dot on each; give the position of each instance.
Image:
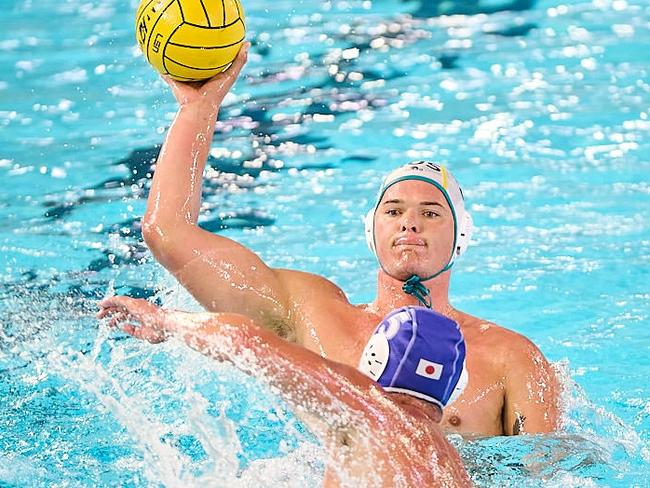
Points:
(223, 275)
(532, 394)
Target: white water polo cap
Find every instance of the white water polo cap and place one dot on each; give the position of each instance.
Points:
(441, 178)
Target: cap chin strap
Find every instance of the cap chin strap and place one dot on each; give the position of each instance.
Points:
(414, 286)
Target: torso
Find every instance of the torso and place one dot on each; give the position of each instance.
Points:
(332, 327)
(407, 449)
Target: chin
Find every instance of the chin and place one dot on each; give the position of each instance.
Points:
(399, 274)
(406, 263)
(405, 271)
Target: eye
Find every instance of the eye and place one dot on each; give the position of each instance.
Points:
(430, 214)
(392, 211)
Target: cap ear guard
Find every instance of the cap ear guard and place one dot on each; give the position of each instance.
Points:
(465, 229)
(459, 387)
(369, 222)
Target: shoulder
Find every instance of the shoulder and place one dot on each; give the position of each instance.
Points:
(512, 349)
(300, 284)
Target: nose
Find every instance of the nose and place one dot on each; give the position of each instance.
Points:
(410, 221)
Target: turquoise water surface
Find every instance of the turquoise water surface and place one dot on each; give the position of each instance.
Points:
(541, 110)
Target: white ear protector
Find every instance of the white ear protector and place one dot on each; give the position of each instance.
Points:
(464, 235)
(369, 223)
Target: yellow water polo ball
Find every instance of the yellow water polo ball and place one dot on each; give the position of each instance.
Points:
(190, 40)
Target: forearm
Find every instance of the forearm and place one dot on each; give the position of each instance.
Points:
(302, 378)
(175, 195)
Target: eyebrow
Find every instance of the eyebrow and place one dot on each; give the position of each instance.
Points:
(397, 200)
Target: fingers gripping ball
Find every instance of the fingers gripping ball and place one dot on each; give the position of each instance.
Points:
(190, 40)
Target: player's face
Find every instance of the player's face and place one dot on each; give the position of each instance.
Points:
(414, 230)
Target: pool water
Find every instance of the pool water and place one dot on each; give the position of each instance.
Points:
(539, 108)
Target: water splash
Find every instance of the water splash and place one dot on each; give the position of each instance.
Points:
(592, 445)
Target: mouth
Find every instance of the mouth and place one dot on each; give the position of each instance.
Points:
(409, 242)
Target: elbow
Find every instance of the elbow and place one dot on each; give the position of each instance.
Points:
(152, 233)
(162, 239)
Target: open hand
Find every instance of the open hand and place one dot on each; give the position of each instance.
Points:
(212, 91)
(136, 317)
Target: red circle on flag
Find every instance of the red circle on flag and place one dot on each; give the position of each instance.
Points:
(429, 369)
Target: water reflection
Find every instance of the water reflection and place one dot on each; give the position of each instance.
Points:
(435, 8)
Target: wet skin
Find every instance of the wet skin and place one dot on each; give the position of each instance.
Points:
(509, 378)
(360, 424)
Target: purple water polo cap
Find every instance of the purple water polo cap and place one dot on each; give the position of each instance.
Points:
(419, 352)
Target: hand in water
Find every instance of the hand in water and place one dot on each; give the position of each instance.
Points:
(212, 91)
(136, 317)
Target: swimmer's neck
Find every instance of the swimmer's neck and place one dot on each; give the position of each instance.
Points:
(390, 295)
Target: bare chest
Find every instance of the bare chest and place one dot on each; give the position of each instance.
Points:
(337, 333)
(341, 333)
(479, 409)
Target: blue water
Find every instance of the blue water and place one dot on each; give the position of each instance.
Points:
(539, 108)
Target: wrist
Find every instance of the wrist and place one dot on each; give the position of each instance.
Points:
(199, 109)
(166, 323)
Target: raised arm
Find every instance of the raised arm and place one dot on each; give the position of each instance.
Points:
(220, 273)
(532, 392)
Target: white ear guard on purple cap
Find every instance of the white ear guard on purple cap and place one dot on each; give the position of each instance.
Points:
(442, 179)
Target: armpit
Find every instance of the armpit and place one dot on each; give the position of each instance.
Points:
(283, 329)
(518, 426)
